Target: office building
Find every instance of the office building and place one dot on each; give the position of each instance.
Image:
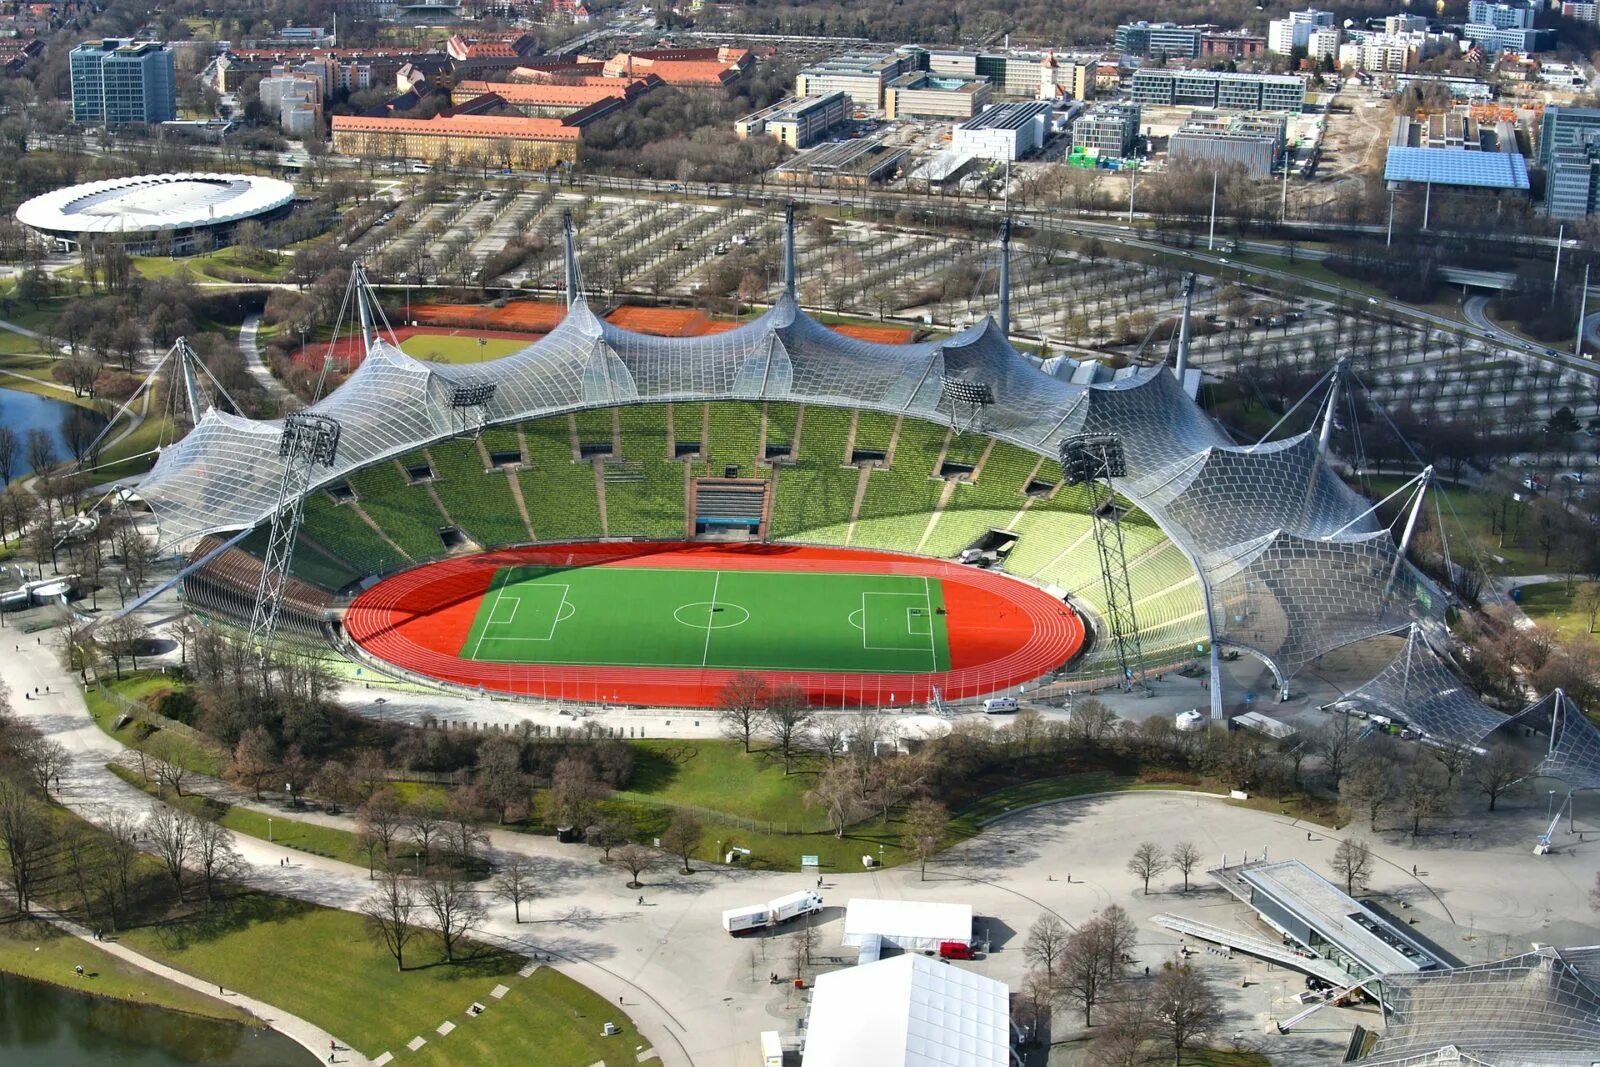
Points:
(920, 95)
(1572, 180)
(118, 80)
(1234, 44)
(1286, 34)
(859, 75)
(1219, 90)
(798, 123)
(1565, 126)
(1110, 129)
(1253, 141)
(1004, 133)
(1162, 40)
(1502, 15)
(1405, 24)
(516, 143)
(1324, 43)
(1381, 53)
(1493, 39)
(1021, 74)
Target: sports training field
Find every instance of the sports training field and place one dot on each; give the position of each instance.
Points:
(737, 619)
(669, 624)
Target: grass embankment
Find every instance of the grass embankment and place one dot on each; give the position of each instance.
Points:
(318, 964)
(180, 743)
(35, 949)
(1561, 606)
(546, 1011)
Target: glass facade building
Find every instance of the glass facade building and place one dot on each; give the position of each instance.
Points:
(118, 80)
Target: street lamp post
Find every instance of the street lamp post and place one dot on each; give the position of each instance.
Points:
(269, 829)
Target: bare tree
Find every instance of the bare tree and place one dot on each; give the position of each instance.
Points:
(1424, 794)
(390, 913)
(1147, 862)
(214, 855)
(424, 821)
(636, 860)
(255, 759)
(170, 770)
(1497, 773)
(25, 827)
(44, 760)
(455, 907)
(1370, 786)
(836, 792)
(1089, 962)
(606, 833)
(1332, 741)
(926, 824)
(1184, 1008)
(1046, 944)
(1184, 857)
(575, 793)
(1125, 1029)
(514, 883)
(172, 832)
(739, 706)
(828, 737)
(499, 775)
(785, 722)
(802, 946)
(1352, 861)
(378, 825)
(9, 447)
(682, 837)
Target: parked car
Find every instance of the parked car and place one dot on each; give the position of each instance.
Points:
(954, 950)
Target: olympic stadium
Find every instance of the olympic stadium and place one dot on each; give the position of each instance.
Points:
(156, 213)
(783, 445)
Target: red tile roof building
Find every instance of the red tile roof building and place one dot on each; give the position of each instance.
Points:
(494, 140)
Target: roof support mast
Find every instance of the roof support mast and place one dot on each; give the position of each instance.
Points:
(790, 279)
(569, 258)
(1180, 366)
(1325, 435)
(1005, 277)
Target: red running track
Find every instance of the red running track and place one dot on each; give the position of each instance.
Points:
(1002, 632)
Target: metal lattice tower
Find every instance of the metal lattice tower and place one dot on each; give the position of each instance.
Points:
(1095, 459)
(308, 441)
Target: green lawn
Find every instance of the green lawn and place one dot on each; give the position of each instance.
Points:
(706, 618)
(717, 775)
(547, 1012)
(459, 348)
(317, 963)
(37, 950)
(1474, 513)
(1551, 603)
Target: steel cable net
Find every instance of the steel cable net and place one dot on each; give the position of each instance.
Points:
(1537, 1009)
(1249, 516)
(1291, 598)
(1419, 689)
(1573, 757)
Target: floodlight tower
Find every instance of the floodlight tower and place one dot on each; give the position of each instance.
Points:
(1095, 459)
(309, 440)
(968, 395)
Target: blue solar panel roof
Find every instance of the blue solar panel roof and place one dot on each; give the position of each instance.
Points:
(1456, 166)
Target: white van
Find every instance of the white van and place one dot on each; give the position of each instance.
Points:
(1000, 705)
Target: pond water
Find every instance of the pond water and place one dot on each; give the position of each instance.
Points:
(23, 412)
(45, 1026)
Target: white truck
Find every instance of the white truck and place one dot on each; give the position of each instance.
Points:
(774, 912)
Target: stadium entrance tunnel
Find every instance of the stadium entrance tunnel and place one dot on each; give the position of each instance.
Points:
(670, 624)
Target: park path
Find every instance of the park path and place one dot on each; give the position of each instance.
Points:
(11, 327)
(250, 348)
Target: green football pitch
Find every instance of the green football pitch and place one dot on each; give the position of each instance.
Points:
(660, 617)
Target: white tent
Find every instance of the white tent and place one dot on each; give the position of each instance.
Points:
(914, 925)
(910, 1011)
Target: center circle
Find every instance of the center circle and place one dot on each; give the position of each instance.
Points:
(713, 616)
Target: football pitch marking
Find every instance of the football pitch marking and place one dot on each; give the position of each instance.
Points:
(902, 624)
